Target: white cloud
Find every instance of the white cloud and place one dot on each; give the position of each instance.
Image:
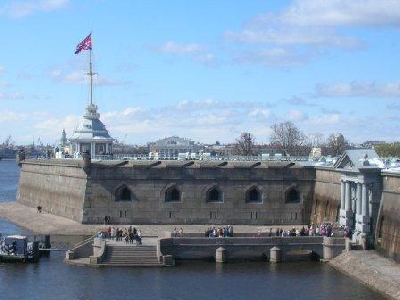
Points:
(272, 57)
(302, 30)
(172, 47)
(325, 119)
(11, 116)
(11, 96)
(358, 89)
(19, 9)
(296, 115)
(196, 52)
(260, 113)
(339, 13)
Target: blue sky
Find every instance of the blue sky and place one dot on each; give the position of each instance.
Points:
(204, 70)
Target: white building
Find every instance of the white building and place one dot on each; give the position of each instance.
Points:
(91, 135)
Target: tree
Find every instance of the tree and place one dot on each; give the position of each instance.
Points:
(8, 142)
(337, 143)
(388, 150)
(287, 136)
(245, 144)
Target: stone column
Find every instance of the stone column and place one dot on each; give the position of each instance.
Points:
(365, 204)
(342, 203)
(347, 197)
(359, 208)
(365, 210)
(359, 195)
(346, 214)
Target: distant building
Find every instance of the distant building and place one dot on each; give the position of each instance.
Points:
(372, 144)
(171, 147)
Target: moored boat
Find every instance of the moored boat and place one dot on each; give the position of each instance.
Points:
(17, 248)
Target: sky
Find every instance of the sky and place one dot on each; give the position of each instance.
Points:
(202, 70)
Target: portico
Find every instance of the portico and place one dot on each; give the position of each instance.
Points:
(360, 188)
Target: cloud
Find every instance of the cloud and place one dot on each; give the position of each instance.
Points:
(325, 119)
(272, 57)
(339, 13)
(196, 52)
(296, 115)
(358, 89)
(172, 47)
(306, 29)
(10, 116)
(19, 9)
(11, 96)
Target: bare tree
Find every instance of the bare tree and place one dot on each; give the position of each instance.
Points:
(245, 144)
(287, 136)
(8, 142)
(315, 139)
(337, 143)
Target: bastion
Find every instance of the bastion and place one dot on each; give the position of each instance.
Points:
(169, 192)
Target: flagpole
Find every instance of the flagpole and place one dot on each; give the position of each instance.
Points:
(91, 76)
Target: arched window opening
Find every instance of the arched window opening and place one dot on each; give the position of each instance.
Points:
(292, 196)
(253, 195)
(172, 195)
(215, 195)
(123, 194)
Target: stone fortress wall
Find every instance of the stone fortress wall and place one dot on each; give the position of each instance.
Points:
(198, 192)
(387, 230)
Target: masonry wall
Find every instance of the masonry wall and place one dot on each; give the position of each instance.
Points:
(57, 185)
(387, 231)
(149, 182)
(326, 198)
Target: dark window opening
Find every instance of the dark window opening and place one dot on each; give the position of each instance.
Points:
(253, 196)
(214, 195)
(173, 195)
(293, 196)
(123, 194)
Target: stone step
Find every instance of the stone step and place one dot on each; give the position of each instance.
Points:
(130, 255)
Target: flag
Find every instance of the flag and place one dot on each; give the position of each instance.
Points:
(86, 44)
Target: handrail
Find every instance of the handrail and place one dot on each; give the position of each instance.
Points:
(84, 242)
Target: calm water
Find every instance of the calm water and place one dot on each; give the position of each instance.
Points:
(51, 278)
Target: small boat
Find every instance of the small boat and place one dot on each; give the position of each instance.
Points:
(17, 248)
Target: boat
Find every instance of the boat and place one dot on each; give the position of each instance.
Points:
(17, 248)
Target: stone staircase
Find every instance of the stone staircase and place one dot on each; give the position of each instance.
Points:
(131, 256)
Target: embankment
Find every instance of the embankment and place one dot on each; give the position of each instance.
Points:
(379, 273)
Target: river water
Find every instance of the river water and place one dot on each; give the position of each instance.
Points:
(51, 278)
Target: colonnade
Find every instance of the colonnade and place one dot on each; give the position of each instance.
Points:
(355, 205)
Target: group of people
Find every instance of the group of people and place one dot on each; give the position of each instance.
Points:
(177, 232)
(325, 229)
(226, 231)
(129, 235)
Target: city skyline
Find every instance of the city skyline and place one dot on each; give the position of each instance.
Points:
(205, 71)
